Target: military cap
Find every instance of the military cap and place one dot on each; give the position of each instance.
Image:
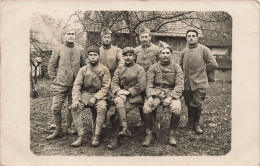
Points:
(93, 48)
(105, 31)
(163, 45)
(143, 29)
(128, 50)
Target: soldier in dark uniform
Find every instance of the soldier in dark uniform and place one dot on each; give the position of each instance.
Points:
(63, 68)
(127, 86)
(195, 60)
(90, 89)
(164, 85)
(146, 54)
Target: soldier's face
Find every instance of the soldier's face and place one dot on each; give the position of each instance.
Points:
(192, 38)
(70, 36)
(165, 55)
(106, 39)
(129, 58)
(93, 57)
(145, 39)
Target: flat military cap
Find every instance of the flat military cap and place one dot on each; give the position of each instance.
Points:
(163, 45)
(143, 29)
(93, 48)
(128, 50)
(105, 31)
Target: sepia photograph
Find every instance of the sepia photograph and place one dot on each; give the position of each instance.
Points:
(113, 83)
(158, 84)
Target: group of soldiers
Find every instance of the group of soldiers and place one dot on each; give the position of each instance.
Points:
(144, 77)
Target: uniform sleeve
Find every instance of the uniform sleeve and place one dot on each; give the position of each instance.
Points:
(53, 64)
(141, 83)
(181, 60)
(82, 58)
(77, 86)
(209, 59)
(179, 83)
(119, 57)
(106, 81)
(150, 81)
(115, 82)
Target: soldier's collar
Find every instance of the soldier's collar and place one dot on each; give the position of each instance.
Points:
(107, 46)
(148, 45)
(69, 44)
(129, 65)
(193, 46)
(165, 63)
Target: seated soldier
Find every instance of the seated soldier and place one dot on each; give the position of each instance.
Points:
(127, 85)
(164, 85)
(90, 89)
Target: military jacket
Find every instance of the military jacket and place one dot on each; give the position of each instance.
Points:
(91, 81)
(65, 63)
(168, 78)
(194, 62)
(111, 57)
(131, 78)
(146, 56)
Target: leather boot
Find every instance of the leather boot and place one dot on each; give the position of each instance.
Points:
(122, 116)
(196, 126)
(148, 128)
(191, 111)
(174, 123)
(114, 144)
(141, 122)
(95, 140)
(78, 142)
(78, 121)
(58, 132)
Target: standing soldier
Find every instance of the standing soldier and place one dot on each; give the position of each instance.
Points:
(110, 56)
(127, 86)
(63, 68)
(195, 61)
(90, 89)
(164, 85)
(146, 55)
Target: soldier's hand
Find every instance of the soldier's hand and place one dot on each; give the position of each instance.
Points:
(92, 101)
(150, 101)
(123, 92)
(167, 101)
(75, 105)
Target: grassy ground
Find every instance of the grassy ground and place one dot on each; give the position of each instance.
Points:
(215, 120)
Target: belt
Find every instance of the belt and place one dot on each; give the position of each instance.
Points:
(90, 89)
(163, 85)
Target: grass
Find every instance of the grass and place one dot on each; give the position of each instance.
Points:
(215, 121)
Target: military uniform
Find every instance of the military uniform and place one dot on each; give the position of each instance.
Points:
(147, 55)
(195, 61)
(111, 57)
(63, 68)
(92, 81)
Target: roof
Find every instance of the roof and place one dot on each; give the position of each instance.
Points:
(175, 29)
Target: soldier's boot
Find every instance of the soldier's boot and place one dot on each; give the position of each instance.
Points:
(191, 111)
(78, 122)
(114, 144)
(95, 140)
(122, 116)
(148, 128)
(58, 131)
(68, 129)
(101, 115)
(93, 119)
(141, 122)
(196, 126)
(174, 123)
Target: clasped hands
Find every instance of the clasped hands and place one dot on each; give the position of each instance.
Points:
(166, 101)
(123, 93)
(76, 104)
